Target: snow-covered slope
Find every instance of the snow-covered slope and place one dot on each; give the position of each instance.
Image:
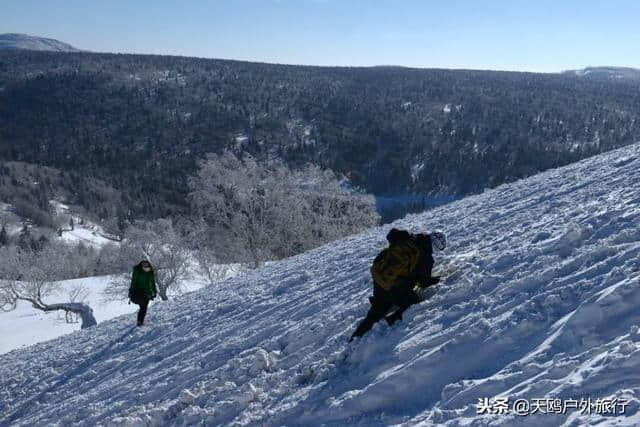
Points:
(26, 326)
(88, 234)
(84, 231)
(541, 300)
(25, 41)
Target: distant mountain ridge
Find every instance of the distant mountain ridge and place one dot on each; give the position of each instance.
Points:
(27, 42)
(608, 73)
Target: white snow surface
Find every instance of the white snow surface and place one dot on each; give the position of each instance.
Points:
(88, 235)
(541, 299)
(26, 326)
(84, 231)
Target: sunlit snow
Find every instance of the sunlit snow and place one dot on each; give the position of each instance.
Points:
(540, 299)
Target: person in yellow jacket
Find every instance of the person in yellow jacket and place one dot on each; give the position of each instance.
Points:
(405, 263)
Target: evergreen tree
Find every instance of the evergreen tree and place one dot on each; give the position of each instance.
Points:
(24, 239)
(42, 242)
(4, 237)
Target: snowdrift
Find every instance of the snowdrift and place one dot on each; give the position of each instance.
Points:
(541, 300)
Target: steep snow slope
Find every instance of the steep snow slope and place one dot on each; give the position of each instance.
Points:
(541, 300)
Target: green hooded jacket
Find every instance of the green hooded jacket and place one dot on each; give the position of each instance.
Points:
(143, 284)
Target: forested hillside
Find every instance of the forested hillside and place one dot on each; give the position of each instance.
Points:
(141, 123)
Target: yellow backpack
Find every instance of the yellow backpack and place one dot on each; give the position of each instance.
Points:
(393, 262)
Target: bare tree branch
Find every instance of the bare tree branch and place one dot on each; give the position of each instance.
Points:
(33, 276)
(158, 242)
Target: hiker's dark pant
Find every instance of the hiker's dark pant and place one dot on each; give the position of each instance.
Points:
(143, 303)
(401, 295)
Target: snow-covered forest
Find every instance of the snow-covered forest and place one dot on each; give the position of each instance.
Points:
(141, 122)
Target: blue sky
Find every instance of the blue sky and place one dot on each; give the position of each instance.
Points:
(534, 35)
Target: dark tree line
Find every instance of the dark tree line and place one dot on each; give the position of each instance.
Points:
(140, 124)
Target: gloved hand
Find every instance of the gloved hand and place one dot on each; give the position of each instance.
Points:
(430, 281)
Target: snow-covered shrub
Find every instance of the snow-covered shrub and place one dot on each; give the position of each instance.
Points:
(257, 211)
(33, 276)
(158, 242)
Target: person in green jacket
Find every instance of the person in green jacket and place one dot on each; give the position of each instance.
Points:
(143, 287)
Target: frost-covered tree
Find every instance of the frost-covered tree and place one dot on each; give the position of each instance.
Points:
(159, 243)
(258, 211)
(210, 265)
(76, 293)
(33, 277)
